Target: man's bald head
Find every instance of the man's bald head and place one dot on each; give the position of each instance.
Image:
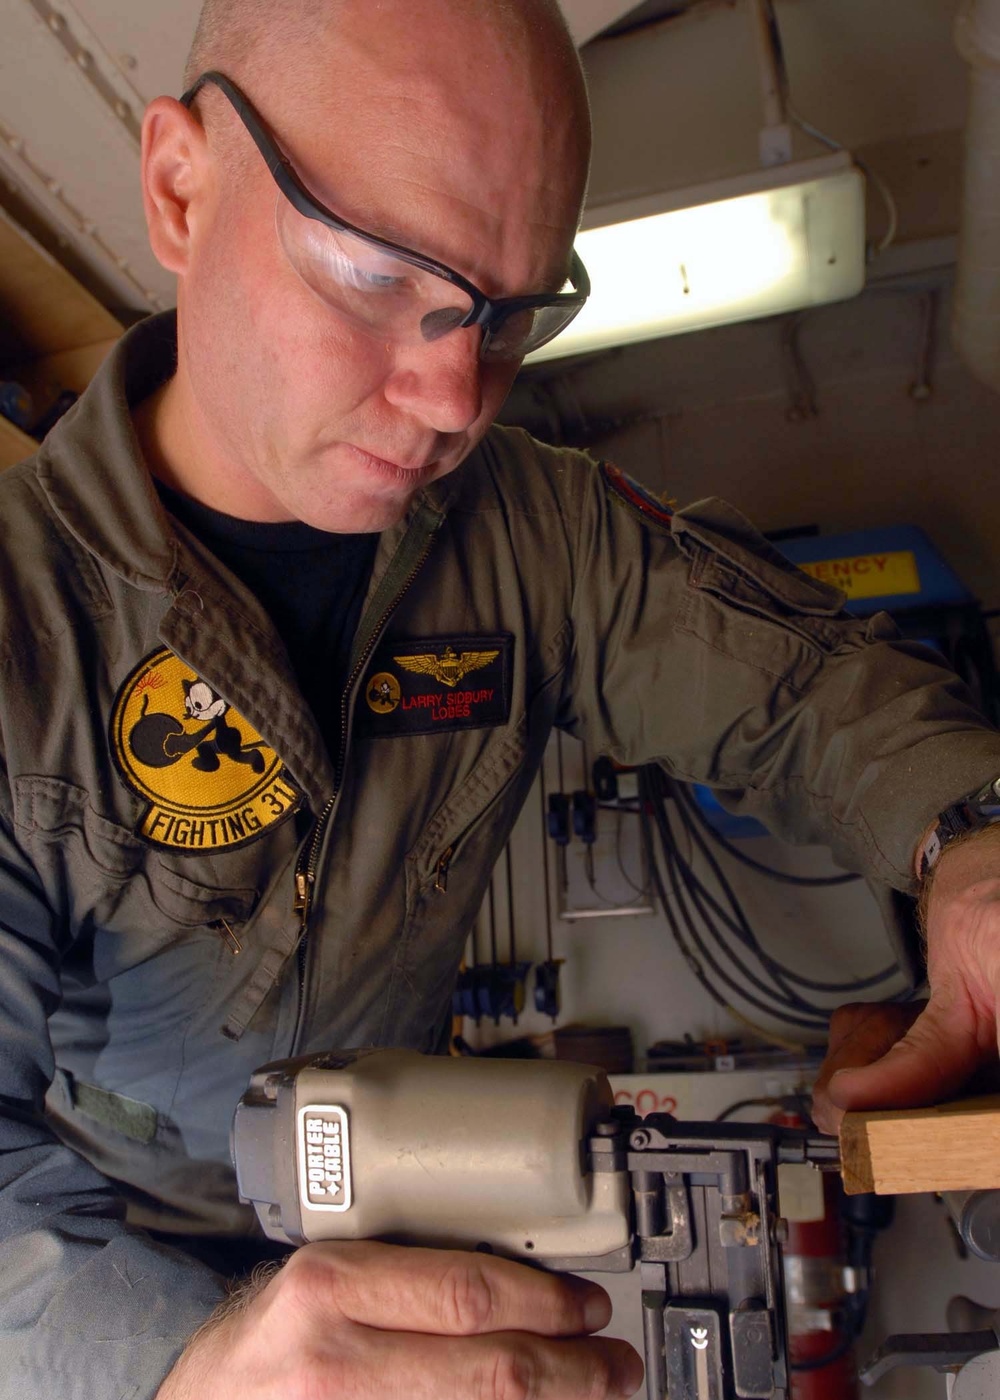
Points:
(457, 129)
(494, 85)
(240, 35)
(249, 39)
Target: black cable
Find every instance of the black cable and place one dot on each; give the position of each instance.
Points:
(690, 901)
(641, 893)
(693, 964)
(687, 804)
(699, 897)
(783, 1011)
(671, 861)
(777, 48)
(820, 1363)
(807, 1018)
(493, 926)
(545, 868)
(772, 874)
(746, 1103)
(511, 945)
(779, 970)
(738, 924)
(609, 904)
(652, 781)
(797, 1103)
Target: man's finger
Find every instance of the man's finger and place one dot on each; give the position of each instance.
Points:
(504, 1366)
(931, 1062)
(446, 1293)
(860, 1034)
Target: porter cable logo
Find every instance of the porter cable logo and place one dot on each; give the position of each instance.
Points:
(324, 1158)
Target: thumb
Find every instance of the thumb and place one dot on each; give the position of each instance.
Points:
(930, 1063)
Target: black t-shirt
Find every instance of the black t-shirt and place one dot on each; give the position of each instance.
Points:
(312, 584)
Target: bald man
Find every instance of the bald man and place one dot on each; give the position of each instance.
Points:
(286, 625)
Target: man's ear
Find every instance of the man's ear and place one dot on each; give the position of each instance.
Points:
(174, 159)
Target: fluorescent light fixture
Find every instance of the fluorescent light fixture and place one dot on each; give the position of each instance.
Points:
(778, 240)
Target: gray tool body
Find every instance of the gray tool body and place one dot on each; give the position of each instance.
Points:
(423, 1150)
(532, 1160)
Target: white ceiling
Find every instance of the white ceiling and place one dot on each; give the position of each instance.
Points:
(672, 104)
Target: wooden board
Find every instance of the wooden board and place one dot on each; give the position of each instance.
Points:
(14, 445)
(953, 1147)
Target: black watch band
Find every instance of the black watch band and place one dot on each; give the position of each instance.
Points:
(978, 810)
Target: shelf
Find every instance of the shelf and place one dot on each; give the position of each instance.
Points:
(43, 309)
(53, 332)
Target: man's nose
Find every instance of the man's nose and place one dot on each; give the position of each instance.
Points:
(440, 381)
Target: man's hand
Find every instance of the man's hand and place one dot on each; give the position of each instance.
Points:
(892, 1056)
(352, 1320)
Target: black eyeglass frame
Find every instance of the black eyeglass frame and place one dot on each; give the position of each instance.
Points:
(489, 313)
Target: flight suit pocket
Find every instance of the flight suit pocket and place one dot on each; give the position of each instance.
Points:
(98, 875)
(746, 599)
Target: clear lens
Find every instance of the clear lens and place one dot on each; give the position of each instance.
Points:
(377, 291)
(523, 331)
(397, 301)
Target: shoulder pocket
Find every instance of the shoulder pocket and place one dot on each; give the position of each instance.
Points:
(730, 560)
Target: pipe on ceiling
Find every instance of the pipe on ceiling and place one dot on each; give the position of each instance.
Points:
(976, 320)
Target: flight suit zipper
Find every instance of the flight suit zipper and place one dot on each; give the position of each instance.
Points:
(441, 870)
(407, 564)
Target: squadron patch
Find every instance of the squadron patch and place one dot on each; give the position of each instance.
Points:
(638, 500)
(210, 781)
(437, 684)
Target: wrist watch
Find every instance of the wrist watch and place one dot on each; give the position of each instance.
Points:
(972, 813)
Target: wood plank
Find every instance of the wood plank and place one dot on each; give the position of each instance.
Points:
(43, 309)
(952, 1147)
(14, 445)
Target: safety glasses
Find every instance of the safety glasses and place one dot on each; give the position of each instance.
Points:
(387, 290)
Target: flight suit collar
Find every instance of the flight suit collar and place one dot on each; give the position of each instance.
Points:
(92, 471)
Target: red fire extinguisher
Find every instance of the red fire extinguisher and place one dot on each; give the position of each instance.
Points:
(827, 1269)
(820, 1331)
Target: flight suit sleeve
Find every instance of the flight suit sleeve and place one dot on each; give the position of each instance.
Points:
(90, 1309)
(698, 645)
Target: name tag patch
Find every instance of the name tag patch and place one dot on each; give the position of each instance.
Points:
(436, 684)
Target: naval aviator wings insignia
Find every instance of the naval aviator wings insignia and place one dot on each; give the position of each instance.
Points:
(448, 668)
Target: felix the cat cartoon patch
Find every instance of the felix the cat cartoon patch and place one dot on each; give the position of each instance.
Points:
(209, 780)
